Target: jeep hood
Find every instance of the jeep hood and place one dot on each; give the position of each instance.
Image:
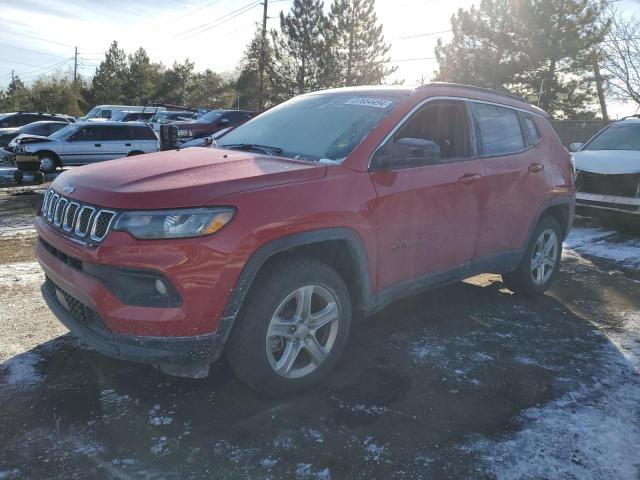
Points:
(184, 178)
(608, 161)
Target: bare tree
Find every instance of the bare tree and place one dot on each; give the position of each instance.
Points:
(622, 57)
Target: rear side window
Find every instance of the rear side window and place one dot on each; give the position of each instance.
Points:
(115, 132)
(141, 133)
(499, 129)
(530, 128)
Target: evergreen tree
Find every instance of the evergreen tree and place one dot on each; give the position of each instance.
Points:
(18, 96)
(176, 80)
(108, 86)
(248, 82)
(143, 79)
(359, 49)
(301, 50)
(523, 45)
(210, 90)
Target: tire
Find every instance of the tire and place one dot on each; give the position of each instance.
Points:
(261, 341)
(38, 178)
(134, 153)
(533, 280)
(48, 162)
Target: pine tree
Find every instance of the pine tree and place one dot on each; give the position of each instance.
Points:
(108, 86)
(17, 97)
(248, 82)
(357, 43)
(143, 79)
(521, 45)
(301, 50)
(176, 80)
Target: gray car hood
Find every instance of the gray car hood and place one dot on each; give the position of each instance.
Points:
(608, 161)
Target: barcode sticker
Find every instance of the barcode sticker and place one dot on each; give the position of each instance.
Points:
(369, 102)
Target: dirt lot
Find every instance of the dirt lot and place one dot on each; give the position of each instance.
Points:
(468, 381)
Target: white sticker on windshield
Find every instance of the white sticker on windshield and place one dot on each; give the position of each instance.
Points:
(369, 102)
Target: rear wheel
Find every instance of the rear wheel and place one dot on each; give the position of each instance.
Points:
(292, 329)
(540, 262)
(48, 162)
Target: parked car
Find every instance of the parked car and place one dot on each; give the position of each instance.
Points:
(608, 172)
(10, 123)
(42, 128)
(86, 142)
(127, 116)
(209, 141)
(108, 111)
(174, 134)
(168, 116)
(329, 205)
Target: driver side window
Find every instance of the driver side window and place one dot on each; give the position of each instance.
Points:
(437, 133)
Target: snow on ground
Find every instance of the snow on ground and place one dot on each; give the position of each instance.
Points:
(601, 243)
(592, 433)
(12, 274)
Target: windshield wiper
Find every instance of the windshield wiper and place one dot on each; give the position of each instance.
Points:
(254, 146)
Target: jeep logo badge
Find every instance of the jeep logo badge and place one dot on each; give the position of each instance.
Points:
(69, 189)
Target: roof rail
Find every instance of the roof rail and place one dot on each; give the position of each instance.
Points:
(473, 87)
(635, 115)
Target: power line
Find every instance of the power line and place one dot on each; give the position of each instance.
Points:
(425, 34)
(410, 59)
(31, 50)
(186, 14)
(38, 38)
(217, 21)
(18, 62)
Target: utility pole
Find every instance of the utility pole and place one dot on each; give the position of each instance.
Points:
(75, 66)
(598, 79)
(263, 47)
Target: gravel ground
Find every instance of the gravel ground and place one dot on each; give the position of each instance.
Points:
(468, 381)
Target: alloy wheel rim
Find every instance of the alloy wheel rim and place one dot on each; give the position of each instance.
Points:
(302, 332)
(46, 163)
(544, 257)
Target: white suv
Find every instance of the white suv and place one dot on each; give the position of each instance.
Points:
(81, 143)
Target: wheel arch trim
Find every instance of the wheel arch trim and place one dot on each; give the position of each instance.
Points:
(289, 242)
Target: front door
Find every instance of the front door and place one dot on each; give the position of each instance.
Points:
(428, 216)
(84, 146)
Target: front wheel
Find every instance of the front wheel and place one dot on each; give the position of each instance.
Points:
(540, 262)
(48, 163)
(292, 329)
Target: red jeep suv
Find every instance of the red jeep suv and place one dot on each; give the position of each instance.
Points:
(330, 205)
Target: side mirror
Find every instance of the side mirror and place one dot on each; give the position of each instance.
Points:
(407, 152)
(223, 122)
(574, 147)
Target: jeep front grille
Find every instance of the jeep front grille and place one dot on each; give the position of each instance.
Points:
(76, 219)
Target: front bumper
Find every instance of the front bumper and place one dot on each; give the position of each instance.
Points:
(85, 323)
(611, 203)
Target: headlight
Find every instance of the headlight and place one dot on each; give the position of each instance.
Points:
(192, 222)
(184, 133)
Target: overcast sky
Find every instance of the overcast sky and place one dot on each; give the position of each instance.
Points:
(39, 36)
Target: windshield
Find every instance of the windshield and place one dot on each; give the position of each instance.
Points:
(93, 112)
(617, 137)
(317, 126)
(211, 116)
(64, 132)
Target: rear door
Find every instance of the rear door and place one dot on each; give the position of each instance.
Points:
(84, 146)
(118, 141)
(428, 213)
(145, 139)
(515, 187)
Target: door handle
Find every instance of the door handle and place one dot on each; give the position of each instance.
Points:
(127, 144)
(97, 144)
(469, 178)
(536, 167)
